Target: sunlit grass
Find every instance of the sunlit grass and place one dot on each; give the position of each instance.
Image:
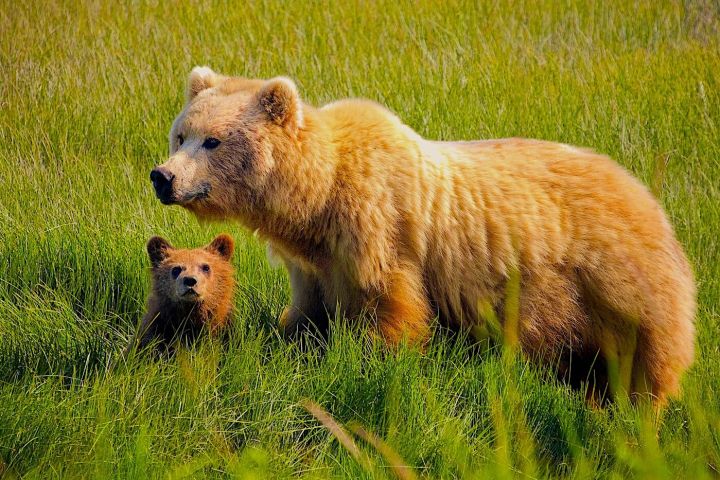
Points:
(86, 99)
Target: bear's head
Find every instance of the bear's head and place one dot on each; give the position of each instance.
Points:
(227, 144)
(192, 276)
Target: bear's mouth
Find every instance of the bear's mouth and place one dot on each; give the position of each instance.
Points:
(190, 293)
(200, 193)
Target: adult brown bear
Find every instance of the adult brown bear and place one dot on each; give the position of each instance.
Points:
(368, 215)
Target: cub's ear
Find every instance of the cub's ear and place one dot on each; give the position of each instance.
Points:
(201, 78)
(223, 246)
(158, 250)
(280, 101)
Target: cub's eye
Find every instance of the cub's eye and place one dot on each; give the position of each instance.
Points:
(175, 272)
(180, 139)
(205, 268)
(210, 143)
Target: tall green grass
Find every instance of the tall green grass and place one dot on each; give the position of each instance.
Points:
(86, 99)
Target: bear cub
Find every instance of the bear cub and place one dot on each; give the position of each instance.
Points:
(192, 289)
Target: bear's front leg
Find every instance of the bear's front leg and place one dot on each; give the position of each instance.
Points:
(307, 310)
(144, 334)
(403, 311)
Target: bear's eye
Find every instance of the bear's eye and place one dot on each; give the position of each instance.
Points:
(180, 139)
(175, 272)
(210, 143)
(205, 268)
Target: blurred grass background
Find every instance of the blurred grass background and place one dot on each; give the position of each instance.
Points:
(88, 93)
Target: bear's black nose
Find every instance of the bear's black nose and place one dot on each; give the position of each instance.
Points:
(162, 181)
(189, 281)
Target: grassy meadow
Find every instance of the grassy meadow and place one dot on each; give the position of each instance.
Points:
(87, 95)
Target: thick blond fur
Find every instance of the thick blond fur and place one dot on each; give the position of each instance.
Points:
(369, 216)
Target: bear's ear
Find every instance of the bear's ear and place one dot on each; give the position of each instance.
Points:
(158, 250)
(280, 101)
(222, 246)
(201, 78)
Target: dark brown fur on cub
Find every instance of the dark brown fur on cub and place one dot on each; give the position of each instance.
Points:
(192, 289)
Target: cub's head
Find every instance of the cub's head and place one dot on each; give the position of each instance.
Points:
(199, 275)
(227, 142)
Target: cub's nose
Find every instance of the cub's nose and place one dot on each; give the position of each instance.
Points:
(189, 281)
(162, 180)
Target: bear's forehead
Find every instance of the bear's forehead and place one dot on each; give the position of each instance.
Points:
(194, 257)
(209, 111)
(240, 84)
(216, 100)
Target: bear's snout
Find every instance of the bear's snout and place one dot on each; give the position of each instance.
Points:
(162, 181)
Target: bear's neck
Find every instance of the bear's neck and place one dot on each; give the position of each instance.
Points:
(178, 312)
(299, 220)
(314, 212)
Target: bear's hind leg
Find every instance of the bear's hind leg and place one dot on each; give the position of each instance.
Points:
(645, 326)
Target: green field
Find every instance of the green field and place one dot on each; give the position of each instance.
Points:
(87, 96)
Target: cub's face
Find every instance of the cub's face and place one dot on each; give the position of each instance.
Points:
(225, 143)
(191, 275)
